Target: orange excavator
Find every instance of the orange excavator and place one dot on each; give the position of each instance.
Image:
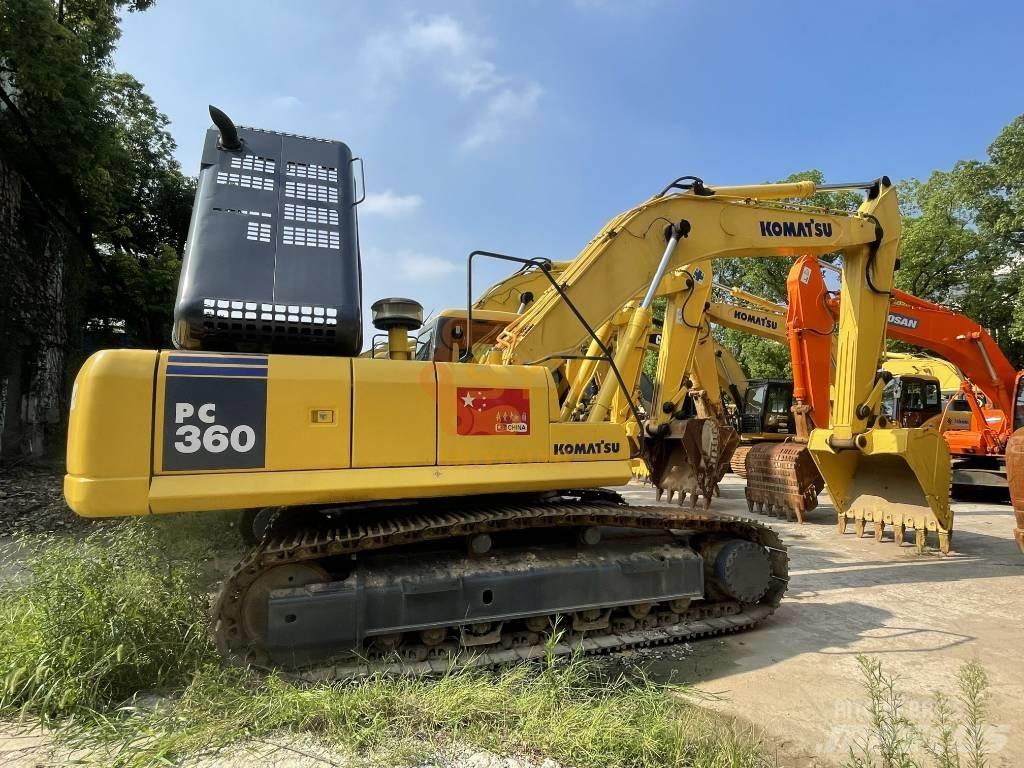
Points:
(778, 475)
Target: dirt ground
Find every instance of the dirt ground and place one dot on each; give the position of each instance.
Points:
(922, 616)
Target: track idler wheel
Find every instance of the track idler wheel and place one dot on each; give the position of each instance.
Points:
(737, 569)
(254, 601)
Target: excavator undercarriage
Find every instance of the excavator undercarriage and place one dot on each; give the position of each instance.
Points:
(345, 592)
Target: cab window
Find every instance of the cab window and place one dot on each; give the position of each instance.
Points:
(889, 400)
(779, 400)
(755, 400)
(425, 341)
(921, 395)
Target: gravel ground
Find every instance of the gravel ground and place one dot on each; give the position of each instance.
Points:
(32, 501)
(797, 676)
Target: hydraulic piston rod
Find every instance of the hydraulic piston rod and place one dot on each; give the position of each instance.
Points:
(638, 323)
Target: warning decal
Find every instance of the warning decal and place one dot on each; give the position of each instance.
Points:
(493, 411)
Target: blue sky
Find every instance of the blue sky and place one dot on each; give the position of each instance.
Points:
(521, 127)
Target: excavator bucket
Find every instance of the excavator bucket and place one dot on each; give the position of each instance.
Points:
(738, 462)
(896, 477)
(782, 479)
(641, 472)
(690, 458)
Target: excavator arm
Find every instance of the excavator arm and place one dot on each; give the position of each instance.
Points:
(763, 322)
(633, 253)
(685, 231)
(517, 291)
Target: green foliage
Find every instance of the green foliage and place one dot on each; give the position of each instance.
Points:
(100, 620)
(101, 624)
(96, 153)
(962, 233)
(760, 358)
(895, 741)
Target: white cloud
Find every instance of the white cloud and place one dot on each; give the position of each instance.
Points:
(440, 42)
(443, 47)
(440, 33)
(285, 102)
(409, 264)
(507, 107)
(421, 266)
(388, 204)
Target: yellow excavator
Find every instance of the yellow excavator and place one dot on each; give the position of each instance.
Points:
(422, 510)
(780, 479)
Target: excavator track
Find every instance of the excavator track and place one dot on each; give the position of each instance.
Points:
(298, 552)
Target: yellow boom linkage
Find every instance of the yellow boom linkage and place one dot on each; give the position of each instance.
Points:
(875, 471)
(866, 462)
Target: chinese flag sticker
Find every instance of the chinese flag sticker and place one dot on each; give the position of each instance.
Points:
(493, 411)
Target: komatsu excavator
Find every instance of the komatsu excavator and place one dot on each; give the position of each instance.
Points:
(424, 510)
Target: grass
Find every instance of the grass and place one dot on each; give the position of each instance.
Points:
(105, 641)
(562, 711)
(98, 620)
(955, 738)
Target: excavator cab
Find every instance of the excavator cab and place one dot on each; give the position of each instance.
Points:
(911, 401)
(443, 338)
(767, 408)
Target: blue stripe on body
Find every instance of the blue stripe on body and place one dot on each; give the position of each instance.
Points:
(214, 370)
(259, 360)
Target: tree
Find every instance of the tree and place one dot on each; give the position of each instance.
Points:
(962, 229)
(97, 206)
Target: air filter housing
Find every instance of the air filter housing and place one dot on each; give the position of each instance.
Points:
(272, 259)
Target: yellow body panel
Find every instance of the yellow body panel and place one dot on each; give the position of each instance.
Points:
(196, 493)
(394, 414)
(110, 432)
(494, 448)
(309, 402)
(239, 431)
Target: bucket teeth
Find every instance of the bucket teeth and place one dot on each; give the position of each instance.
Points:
(892, 477)
(782, 480)
(691, 460)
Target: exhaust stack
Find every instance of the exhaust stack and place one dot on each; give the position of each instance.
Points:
(228, 132)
